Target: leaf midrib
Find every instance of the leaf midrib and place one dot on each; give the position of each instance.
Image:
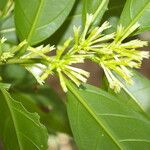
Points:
(92, 113)
(35, 20)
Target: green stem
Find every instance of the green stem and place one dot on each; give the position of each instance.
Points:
(24, 61)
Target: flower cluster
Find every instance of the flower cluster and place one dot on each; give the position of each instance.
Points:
(59, 64)
(110, 51)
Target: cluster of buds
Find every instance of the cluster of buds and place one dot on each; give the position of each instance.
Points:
(110, 51)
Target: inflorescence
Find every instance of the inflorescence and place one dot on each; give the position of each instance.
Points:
(110, 51)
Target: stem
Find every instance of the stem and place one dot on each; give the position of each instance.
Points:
(24, 61)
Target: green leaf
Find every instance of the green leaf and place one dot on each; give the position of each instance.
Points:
(19, 129)
(140, 91)
(137, 95)
(92, 6)
(7, 29)
(37, 20)
(136, 11)
(100, 121)
(3, 4)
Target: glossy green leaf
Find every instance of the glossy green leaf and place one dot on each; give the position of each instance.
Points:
(19, 129)
(136, 95)
(100, 121)
(7, 29)
(140, 91)
(136, 11)
(92, 6)
(36, 20)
